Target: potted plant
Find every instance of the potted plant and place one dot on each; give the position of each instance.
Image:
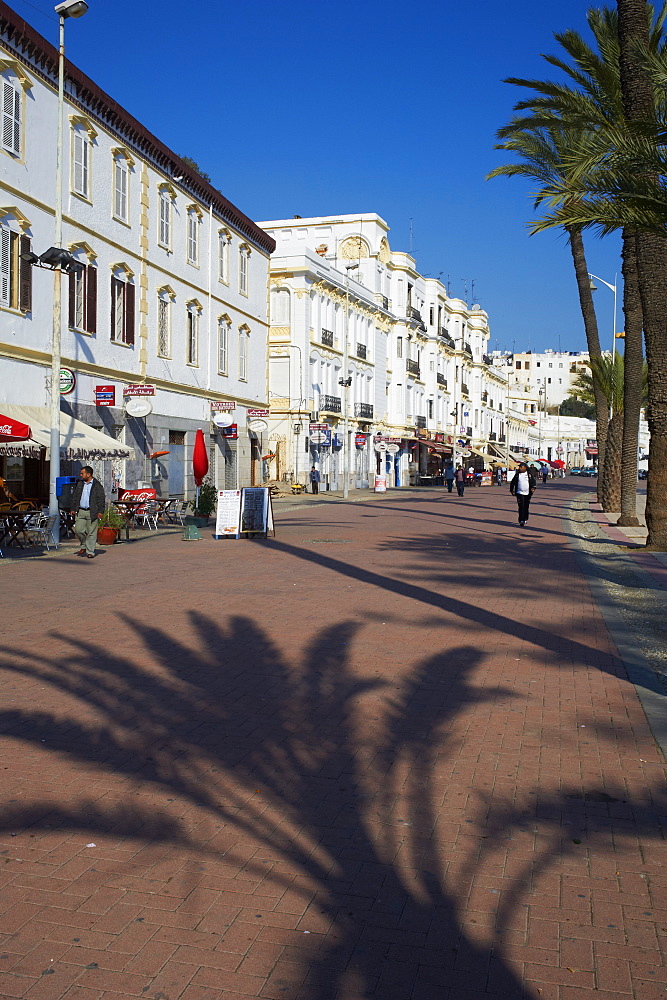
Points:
(202, 510)
(108, 525)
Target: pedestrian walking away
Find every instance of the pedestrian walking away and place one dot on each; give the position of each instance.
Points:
(314, 479)
(522, 487)
(450, 474)
(88, 502)
(545, 473)
(460, 477)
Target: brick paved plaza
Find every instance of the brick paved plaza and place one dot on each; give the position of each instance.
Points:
(390, 754)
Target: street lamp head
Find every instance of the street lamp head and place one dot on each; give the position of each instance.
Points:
(350, 267)
(72, 8)
(591, 284)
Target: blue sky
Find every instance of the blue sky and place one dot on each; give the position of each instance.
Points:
(375, 106)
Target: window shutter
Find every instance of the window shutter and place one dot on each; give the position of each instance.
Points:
(91, 299)
(71, 312)
(25, 277)
(81, 164)
(11, 117)
(129, 313)
(5, 267)
(114, 282)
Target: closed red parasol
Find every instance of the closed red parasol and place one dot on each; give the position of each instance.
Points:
(558, 463)
(13, 430)
(199, 458)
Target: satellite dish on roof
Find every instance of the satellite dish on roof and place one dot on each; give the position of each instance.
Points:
(136, 406)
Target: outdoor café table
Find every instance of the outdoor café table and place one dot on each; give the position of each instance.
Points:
(14, 523)
(127, 509)
(166, 513)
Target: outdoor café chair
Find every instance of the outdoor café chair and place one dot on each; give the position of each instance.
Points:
(148, 515)
(180, 510)
(43, 525)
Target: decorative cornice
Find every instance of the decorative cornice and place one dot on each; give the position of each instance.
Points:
(85, 123)
(123, 151)
(17, 68)
(23, 220)
(87, 249)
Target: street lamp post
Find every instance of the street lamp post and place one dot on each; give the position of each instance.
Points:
(70, 8)
(612, 288)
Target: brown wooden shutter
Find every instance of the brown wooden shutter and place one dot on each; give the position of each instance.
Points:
(25, 277)
(129, 313)
(114, 282)
(91, 299)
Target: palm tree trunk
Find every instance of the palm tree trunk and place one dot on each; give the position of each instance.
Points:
(609, 492)
(592, 340)
(633, 371)
(639, 103)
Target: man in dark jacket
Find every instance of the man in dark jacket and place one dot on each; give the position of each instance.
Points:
(522, 487)
(88, 502)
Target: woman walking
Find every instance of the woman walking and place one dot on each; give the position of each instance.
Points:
(522, 487)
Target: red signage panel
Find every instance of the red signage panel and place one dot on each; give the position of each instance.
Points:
(105, 395)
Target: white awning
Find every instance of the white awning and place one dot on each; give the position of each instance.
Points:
(78, 441)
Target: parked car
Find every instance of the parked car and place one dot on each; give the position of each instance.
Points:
(588, 472)
(642, 474)
(575, 472)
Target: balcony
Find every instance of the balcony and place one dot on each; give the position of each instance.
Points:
(485, 397)
(364, 411)
(464, 388)
(441, 380)
(328, 337)
(443, 333)
(492, 436)
(362, 351)
(383, 301)
(412, 367)
(330, 404)
(468, 349)
(502, 438)
(420, 421)
(413, 313)
(469, 432)
(487, 359)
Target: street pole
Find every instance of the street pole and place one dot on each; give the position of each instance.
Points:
(346, 383)
(54, 463)
(70, 8)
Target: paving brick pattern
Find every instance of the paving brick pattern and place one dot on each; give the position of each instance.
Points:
(391, 754)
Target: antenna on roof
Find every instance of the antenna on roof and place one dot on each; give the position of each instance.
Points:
(410, 238)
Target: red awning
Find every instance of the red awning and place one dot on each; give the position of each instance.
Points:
(13, 430)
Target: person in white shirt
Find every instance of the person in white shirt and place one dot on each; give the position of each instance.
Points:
(522, 487)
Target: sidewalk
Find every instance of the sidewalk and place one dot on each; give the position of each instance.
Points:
(391, 754)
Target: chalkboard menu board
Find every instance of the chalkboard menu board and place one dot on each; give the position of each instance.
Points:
(256, 512)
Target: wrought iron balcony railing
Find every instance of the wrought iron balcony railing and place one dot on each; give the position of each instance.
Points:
(363, 410)
(413, 313)
(464, 388)
(441, 380)
(412, 367)
(420, 421)
(328, 337)
(330, 404)
(362, 351)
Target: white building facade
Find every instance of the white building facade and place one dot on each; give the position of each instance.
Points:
(170, 291)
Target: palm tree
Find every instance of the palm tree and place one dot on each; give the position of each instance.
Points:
(637, 84)
(595, 104)
(541, 155)
(607, 372)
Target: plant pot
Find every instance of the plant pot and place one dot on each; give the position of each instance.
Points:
(106, 535)
(201, 522)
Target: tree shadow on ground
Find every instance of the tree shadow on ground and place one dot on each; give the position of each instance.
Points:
(324, 785)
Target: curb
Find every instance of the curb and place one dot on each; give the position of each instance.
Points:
(637, 668)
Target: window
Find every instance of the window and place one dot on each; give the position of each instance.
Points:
(518, 365)
(223, 256)
(165, 298)
(193, 237)
(164, 234)
(243, 353)
(399, 347)
(83, 299)
(429, 404)
(431, 315)
(244, 254)
(192, 333)
(122, 310)
(11, 117)
(81, 162)
(539, 364)
(223, 344)
(121, 171)
(15, 274)
(280, 307)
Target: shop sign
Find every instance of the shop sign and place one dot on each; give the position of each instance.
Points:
(146, 494)
(139, 390)
(231, 432)
(320, 434)
(223, 404)
(380, 446)
(421, 432)
(440, 437)
(105, 395)
(392, 448)
(257, 413)
(67, 381)
(360, 440)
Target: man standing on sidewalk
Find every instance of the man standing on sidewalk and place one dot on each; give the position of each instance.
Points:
(522, 487)
(450, 475)
(460, 478)
(88, 502)
(314, 480)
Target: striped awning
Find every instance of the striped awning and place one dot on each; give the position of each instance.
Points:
(78, 441)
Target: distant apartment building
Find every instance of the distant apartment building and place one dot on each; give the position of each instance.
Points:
(169, 291)
(550, 375)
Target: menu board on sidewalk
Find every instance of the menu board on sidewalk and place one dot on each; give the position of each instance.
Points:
(256, 512)
(228, 517)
